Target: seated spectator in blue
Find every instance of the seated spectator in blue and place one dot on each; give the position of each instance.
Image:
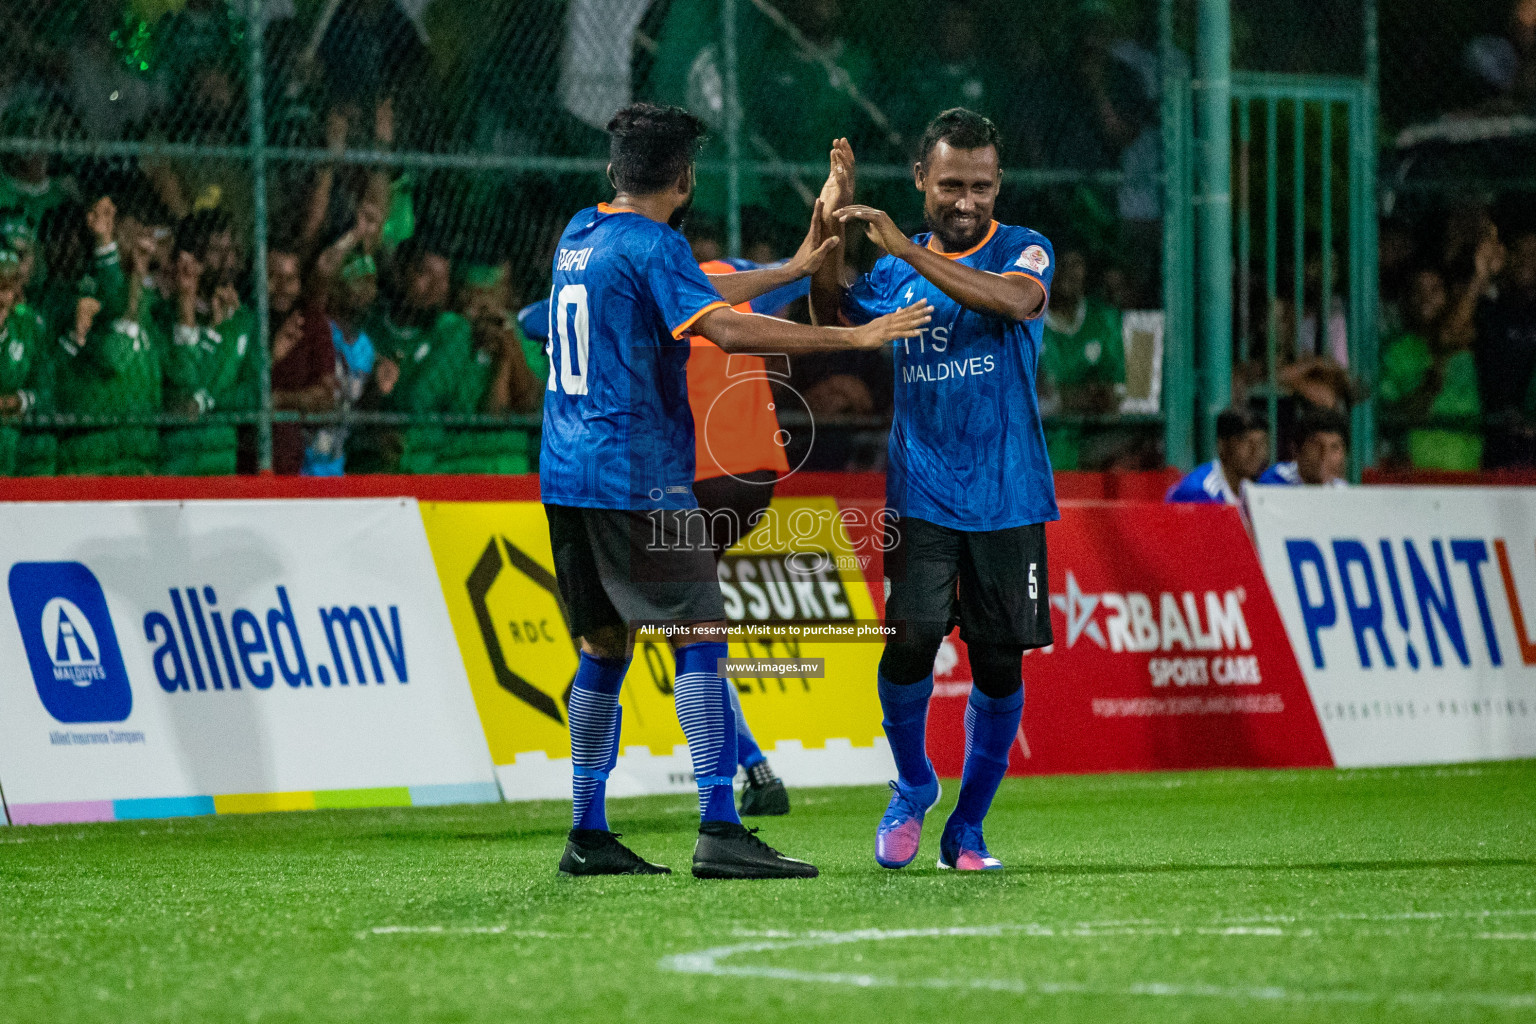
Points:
(1321, 452)
(1242, 449)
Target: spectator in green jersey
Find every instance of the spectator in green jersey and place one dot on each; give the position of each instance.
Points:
(108, 358)
(211, 366)
(36, 447)
(1429, 379)
(423, 352)
(505, 374)
(25, 181)
(25, 386)
(18, 233)
(1082, 365)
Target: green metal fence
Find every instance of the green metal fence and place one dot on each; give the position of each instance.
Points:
(1284, 168)
(484, 116)
(482, 120)
(1328, 199)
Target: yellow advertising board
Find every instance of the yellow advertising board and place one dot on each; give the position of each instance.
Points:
(793, 589)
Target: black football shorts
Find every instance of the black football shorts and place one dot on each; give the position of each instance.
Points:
(992, 583)
(618, 567)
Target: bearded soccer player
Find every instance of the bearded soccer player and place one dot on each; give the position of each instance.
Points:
(616, 464)
(969, 482)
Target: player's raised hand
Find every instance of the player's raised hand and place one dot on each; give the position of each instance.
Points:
(837, 191)
(141, 254)
(878, 225)
(288, 336)
(904, 323)
(815, 247)
(843, 171)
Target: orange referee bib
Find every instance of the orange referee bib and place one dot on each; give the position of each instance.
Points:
(736, 429)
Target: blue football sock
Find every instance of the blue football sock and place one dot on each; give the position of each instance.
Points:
(906, 727)
(594, 718)
(709, 725)
(991, 724)
(748, 753)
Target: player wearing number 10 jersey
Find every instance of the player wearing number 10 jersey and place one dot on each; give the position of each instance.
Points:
(616, 474)
(969, 479)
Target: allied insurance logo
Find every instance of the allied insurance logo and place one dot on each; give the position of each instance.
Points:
(71, 646)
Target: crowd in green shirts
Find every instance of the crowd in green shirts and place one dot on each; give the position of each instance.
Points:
(122, 353)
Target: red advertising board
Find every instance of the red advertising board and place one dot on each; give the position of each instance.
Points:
(1169, 653)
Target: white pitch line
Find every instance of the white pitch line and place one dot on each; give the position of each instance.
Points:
(1258, 927)
(1411, 915)
(708, 961)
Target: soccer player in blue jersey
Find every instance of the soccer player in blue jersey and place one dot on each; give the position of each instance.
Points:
(969, 481)
(1242, 449)
(616, 476)
(731, 504)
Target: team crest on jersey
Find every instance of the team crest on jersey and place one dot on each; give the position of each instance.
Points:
(17, 351)
(1034, 258)
(421, 351)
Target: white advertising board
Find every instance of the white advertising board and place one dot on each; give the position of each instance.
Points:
(161, 658)
(1413, 615)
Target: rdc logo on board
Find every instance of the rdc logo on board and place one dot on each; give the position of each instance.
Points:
(71, 646)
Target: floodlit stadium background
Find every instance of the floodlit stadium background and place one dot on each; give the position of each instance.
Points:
(1344, 220)
(479, 123)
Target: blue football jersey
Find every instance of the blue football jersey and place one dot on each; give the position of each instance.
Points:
(1281, 473)
(1287, 474)
(1206, 484)
(967, 449)
(618, 432)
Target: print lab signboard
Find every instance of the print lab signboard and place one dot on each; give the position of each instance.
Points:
(1168, 654)
(177, 658)
(1413, 614)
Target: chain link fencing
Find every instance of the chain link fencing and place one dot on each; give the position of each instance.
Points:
(288, 176)
(1458, 236)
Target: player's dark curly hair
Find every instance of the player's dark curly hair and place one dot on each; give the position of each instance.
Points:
(962, 129)
(650, 146)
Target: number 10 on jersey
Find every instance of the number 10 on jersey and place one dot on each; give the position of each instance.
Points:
(568, 310)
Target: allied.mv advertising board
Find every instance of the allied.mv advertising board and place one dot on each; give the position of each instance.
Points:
(164, 658)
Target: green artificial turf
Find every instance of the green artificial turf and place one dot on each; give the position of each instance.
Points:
(1382, 895)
